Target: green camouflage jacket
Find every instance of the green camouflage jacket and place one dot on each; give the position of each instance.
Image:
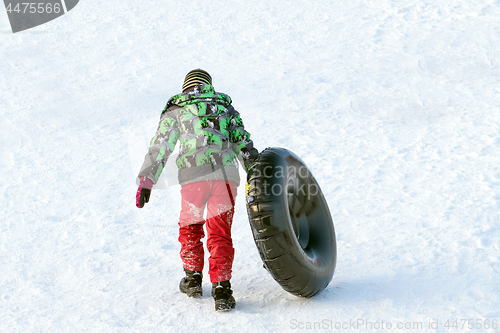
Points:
(211, 134)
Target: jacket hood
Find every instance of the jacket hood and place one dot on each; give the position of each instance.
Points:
(203, 93)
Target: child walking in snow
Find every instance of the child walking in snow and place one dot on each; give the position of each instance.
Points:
(212, 138)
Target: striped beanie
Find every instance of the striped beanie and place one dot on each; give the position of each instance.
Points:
(196, 77)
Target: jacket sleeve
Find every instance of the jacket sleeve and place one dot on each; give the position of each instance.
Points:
(241, 143)
(161, 147)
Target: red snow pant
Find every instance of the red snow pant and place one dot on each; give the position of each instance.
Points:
(218, 196)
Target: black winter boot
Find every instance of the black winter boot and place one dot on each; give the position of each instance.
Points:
(223, 296)
(191, 283)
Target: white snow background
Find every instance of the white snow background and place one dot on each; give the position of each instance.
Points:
(393, 105)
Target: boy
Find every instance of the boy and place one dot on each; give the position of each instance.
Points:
(212, 138)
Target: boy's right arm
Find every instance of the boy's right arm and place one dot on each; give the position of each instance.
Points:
(242, 144)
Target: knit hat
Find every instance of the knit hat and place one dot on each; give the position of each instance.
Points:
(196, 77)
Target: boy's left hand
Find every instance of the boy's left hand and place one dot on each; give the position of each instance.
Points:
(143, 192)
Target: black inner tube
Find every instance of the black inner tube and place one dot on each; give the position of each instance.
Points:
(291, 222)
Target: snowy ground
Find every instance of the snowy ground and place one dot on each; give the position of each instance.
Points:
(394, 106)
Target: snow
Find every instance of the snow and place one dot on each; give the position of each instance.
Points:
(393, 105)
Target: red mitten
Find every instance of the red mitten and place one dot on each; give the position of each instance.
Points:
(143, 192)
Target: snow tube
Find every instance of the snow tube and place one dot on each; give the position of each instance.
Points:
(291, 223)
